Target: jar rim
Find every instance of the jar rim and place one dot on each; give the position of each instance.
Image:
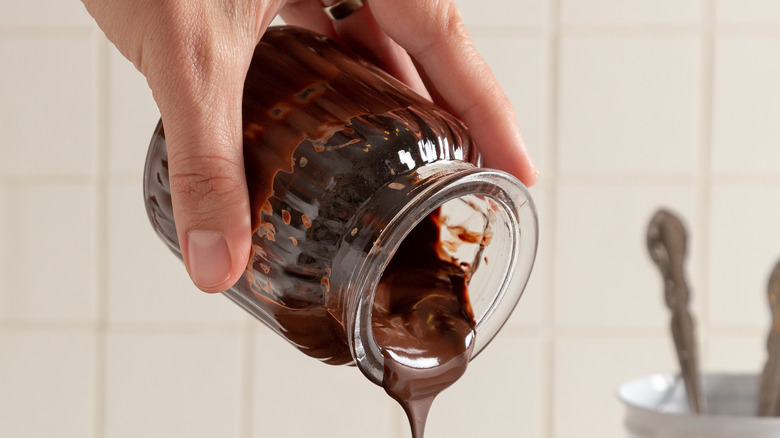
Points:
(431, 187)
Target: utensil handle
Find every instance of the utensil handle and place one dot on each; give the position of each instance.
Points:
(769, 395)
(684, 341)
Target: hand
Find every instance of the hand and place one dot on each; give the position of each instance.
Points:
(195, 56)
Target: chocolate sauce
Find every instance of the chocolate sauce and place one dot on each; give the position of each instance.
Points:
(422, 322)
(324, 132)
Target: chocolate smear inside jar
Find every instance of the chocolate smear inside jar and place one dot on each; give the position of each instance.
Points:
(422, 319)
(335, 151)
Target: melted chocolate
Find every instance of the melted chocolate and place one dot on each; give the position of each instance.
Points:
(322, 134)
(422, 323)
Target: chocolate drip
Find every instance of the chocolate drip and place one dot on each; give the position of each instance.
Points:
(422, 323)
(323, 133)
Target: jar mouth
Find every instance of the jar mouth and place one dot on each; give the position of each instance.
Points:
(501, 267)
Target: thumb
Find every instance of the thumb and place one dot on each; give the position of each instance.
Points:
(201, 112)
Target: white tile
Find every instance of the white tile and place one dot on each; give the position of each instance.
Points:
(746, 105)
(588, 372)
(747, 12)
(48, 254)
(503, 13)
(173, 385)
(297, 396)
(46, 384)
(631, 12)
(146, 282)
(519, 64)
(629, 104)
(604, 275)
(744, 247)
(48, 112)
(736, 353)
(501, 394)
(133, 116)
(43, 13)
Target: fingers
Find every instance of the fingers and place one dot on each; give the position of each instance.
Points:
(198, 85)
(433, 33)
(361, 33)
(208, 186)
(308, 14)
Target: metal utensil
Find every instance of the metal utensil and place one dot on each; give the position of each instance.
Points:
(666, 242)
(770, 379)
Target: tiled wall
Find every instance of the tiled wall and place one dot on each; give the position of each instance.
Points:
(626, 104)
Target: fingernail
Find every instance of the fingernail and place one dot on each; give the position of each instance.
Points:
(208, 258)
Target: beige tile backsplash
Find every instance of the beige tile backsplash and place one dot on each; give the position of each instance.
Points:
(744, 134)
(629, 105)
(49, 252)
(626, 105)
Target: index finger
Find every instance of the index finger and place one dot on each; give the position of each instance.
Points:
(433, 34)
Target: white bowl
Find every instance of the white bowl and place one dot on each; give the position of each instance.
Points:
(656, 407)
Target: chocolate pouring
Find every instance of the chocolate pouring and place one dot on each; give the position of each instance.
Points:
(423, 323)
(339, 157)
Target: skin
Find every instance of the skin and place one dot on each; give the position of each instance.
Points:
(195, 55)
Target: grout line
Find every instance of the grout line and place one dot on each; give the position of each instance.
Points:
(41, 180)
(736, 179)
(552, 172)
(666, 179)
(181, 328)
(191, 329)
(150, 327)
(629, 30)
(483, 30)
(248, 378)
(30, 179)
(590, 331)
(101, 235)
(753, 332)
(126, 177)
(626, 179)
(547, 174)
(661, 179)
(704, 174)
(11, 326)
(632, 30)
(609, 332)
(524, 331)
(748, 30)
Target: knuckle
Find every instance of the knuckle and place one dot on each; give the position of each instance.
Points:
(202, 182)
(447, 21)
(446, 28)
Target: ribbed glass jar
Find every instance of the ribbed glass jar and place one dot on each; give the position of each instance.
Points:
(342, 161)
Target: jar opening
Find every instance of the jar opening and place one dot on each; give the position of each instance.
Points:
(485, 222)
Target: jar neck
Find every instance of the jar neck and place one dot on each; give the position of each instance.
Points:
(500, 267)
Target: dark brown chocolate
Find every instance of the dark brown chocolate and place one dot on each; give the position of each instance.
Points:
(322, 134)
(422, 323)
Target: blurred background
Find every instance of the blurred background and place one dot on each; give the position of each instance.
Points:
(627, 105)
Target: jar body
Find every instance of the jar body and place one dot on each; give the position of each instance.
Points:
(341, 161)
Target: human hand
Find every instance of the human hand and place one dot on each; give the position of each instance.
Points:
(195, 56)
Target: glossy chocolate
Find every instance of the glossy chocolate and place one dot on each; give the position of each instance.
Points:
(324, 132)
(422, 322)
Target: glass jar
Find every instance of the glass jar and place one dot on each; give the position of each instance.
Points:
(342, 162)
